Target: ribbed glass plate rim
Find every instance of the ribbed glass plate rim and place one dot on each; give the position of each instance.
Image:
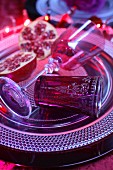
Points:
(73, 139)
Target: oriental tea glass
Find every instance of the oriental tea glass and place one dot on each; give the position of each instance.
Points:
(82, 92)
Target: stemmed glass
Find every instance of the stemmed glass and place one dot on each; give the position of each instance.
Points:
(78, 44)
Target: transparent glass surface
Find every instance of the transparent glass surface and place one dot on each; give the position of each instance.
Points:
(78, 44)
(82, 93)
(15, 100)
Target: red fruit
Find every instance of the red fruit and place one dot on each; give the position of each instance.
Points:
(19, 66)
(38, 37)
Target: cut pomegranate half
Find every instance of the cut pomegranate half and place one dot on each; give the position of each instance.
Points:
(18, 66)
(38, 37)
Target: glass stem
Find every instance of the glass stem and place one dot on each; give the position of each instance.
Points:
(33, 80)
(53, 65)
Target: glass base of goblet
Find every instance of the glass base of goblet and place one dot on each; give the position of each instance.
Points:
(13, 98)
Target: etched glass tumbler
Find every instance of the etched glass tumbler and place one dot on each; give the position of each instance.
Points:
(83, 93)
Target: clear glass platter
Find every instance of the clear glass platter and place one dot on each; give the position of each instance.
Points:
(52, 130)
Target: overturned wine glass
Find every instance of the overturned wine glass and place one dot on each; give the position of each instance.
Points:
(78, 44)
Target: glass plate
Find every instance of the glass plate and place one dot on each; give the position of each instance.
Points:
(58, 8)
(52, 130)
